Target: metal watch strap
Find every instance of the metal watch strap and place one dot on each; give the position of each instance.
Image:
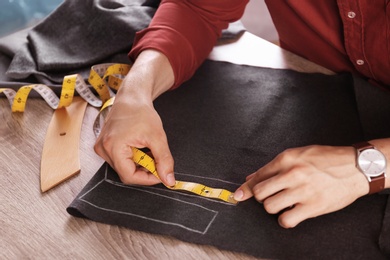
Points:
(377, 183)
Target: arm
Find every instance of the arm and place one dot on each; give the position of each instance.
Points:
(309, 181)
(186, 31)
(168, 52)
(133, 121)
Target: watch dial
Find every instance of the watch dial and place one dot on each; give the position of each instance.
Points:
(372, 162)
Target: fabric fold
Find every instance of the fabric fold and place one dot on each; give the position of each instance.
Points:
(78, 35)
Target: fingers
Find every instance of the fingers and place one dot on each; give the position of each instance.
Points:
(246, 190)
(304, 183)
(135, 125)
(291, 202)
(290, 218)
(262, 188)
(118, 154)
(164, 161)
(250, 176)
(296, 214)
(127, 170)
(279, 186)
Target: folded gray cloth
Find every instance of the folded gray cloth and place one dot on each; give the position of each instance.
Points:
(79, 34)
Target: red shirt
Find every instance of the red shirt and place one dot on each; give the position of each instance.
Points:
(341, 35)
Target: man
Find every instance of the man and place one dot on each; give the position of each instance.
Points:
(342, 35)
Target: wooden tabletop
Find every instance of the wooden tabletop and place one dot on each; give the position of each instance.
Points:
(36, 225)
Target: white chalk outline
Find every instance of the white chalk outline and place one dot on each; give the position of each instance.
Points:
(143, 217)
(183, 193)
(209, 178)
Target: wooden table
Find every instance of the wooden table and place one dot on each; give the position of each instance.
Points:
(36, 225)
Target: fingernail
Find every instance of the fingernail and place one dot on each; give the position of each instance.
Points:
(171, 179)
(238, 195)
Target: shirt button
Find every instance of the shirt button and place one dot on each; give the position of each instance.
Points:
(360, 62)
(351, 14)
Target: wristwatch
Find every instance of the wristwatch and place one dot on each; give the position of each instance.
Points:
(372, 163)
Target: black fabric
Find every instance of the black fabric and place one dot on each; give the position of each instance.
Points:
(384, 239)
(373, 104)
(222, 125)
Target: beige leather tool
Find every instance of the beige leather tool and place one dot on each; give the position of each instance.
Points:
(60, 156)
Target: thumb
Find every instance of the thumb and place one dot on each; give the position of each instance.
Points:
(164, 165)
(244, 192)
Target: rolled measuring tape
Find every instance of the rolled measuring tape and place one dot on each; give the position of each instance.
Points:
(147, 162)
(103, 78)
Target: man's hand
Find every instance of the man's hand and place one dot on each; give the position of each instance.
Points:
(135, 125)
(306, 182)
(133, 122)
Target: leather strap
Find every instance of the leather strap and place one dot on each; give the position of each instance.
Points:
(363, 146)
(60, 154)
(377, 183)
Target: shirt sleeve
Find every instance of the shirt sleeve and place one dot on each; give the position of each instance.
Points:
(186, 31)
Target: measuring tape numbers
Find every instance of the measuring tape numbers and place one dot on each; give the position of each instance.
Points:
(103, 78)
(147, 162)
(144, 160)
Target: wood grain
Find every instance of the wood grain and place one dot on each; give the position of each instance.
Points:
(35, 225)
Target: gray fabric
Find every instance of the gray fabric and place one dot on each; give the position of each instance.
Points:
(9, 45)
(79, 34)
(225, 123)
(76, 36)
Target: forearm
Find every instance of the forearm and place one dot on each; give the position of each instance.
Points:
(133, 122)
(186, 31)
(150, 76)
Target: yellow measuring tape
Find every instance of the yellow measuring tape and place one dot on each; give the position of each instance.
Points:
(144, 160)
(103, 77)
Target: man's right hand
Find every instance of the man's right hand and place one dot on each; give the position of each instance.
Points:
(133, 122)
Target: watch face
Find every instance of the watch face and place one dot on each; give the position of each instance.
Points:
(372, 162)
